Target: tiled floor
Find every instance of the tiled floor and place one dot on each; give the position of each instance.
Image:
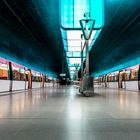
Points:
(61, 113)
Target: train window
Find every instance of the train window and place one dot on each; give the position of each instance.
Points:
(4, 66)
(3, 71)
(22, 73)
(33, 76)
(134, 74)
(127, 75)
(18, 72)
(26, 75)
(116, 78)
(36, 76)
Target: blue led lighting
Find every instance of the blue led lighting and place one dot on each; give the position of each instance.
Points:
(95, 37)
(13, 59)
(117, 68)
(71, 11)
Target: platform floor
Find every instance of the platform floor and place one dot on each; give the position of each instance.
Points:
(60, 113)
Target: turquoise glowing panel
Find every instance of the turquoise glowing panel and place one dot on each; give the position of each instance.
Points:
(75, 61)
(67, 59)
(74, 48)
(67, 13)
(97, 12)
(118, 67)
(63, 34)
(69, 54)
(76, 43)
(73, 54)
(65, 42)
(73, 65)
(72, 68)
(71, 11)
(76, 54)
(95, 37)
(13, 59)
(66, 48)
(80, 7)
(84, 54)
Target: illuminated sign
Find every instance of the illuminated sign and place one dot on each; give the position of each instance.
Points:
(62, 74)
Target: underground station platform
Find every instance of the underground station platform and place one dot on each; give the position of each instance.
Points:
(69, 70)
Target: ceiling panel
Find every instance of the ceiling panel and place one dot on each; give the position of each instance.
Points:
(118, 45)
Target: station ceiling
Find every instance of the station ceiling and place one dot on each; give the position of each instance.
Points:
(30, 34)
(118, 45)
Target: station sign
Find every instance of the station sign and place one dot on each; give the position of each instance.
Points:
(63, 74)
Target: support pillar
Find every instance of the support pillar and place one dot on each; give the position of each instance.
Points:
(29, 79)
(10, 76)
(139, 78)
(87, 27)
(25, 79)
(88, 84)
(120, 80)
(42, 81)
(106, 80)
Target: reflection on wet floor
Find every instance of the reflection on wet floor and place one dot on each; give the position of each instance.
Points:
(15, 105)
(65, 114)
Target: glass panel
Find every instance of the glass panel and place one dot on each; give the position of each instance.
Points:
(74, 34)
(72, 72)
(97, 12)
(74, 43)
(73, 10)
(75, 60)
(72, 65)
(64, 34)
(72, 68)
(3, 71)
(74, 48)
(69, 54)
(18, 71)
(66, 48)
(80, 7)
(73, 54)
(65, 42)
(76, 54)
(66, 13)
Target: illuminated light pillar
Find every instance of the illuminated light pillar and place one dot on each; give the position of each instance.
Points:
(29, 79)
(87, 27)
(10, 76)
(87, 31)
